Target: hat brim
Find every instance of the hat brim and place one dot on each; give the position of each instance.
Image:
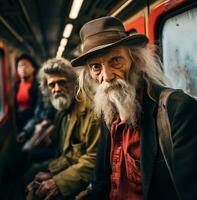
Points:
(133, 40)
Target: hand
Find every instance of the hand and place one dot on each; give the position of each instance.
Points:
(82, 195)
(47, 190)
(20, 138)
(44, 122)
(41, 176)
(85, 194)
(47, 141)
(41, 125)
(33, 186)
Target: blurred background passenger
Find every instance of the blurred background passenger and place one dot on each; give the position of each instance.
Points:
(71, 169)
(44, 114)
(35, 138)
(25, 90)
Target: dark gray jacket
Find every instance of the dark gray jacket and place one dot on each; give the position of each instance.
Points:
(157, 185)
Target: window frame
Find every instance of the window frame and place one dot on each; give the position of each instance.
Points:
(164, 20)
(159, 13)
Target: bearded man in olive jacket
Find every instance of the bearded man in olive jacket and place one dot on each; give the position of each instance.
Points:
(78, 134)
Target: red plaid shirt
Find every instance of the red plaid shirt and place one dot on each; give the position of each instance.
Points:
(126, 181)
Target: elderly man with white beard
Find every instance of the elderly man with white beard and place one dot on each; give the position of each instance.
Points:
(124, 79)
(72, 169)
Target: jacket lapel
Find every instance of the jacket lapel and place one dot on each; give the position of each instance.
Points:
(76, 113)
(148, 142)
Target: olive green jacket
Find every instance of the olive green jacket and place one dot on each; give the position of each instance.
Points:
(74, 168)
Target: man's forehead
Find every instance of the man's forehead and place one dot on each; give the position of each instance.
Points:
(55, 77)
(108, 53)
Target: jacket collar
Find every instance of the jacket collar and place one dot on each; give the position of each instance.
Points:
(78, 110)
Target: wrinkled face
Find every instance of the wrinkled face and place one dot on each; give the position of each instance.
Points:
(25, 69)
(114, 94)
(61, 91)
(111, 65)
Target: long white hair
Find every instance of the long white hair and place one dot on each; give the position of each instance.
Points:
(146, 67)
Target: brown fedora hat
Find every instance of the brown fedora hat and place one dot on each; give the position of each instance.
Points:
(102, 33)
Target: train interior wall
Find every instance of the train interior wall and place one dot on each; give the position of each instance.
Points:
(8, 147)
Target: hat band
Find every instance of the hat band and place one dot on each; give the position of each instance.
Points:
(103, 38)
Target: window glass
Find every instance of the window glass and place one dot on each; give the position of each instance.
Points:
(179, 41)
(1, 85)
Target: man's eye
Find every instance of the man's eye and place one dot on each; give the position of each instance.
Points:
(95, 67)
(62, 83)
(51, 85)
(116, 62)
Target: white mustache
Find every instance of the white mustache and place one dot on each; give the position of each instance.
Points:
(116, 98)
(59, 95)
(110, 86)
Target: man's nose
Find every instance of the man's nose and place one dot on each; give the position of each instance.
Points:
(107, 74)
(57, 87)
(22, 68)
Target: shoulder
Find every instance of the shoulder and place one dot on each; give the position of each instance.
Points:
(179, 103)
(179, 100)
(182, 112)
(176, 99)
(35, 83)
(83, 106)
(17, 82)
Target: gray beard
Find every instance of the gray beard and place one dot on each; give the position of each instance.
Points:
(117, 99)
(62, 101)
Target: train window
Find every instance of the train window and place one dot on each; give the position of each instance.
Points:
(1, 85)
(179, 43)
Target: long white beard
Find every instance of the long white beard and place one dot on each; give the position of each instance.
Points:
(62, 101)
(117, 99)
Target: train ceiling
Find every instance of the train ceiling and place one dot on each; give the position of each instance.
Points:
(36, 26)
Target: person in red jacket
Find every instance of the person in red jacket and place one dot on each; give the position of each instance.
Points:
(26, 90)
